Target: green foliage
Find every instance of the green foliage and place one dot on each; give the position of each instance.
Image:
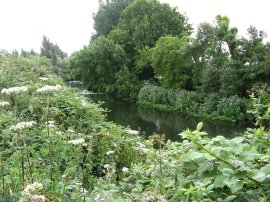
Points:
(45, 150)
(171, 61)
(143, 22)
(55, 54)
(233, 108)
(127, 84)
(108, 15)
(213, 106)
(98, 63)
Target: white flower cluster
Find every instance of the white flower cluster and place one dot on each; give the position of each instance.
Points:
(109, 152)
(125, 169)
(48, 88)
(28, 194)
(43, 78)
(14, 90)
(107, 166)
(3, 103)
(77, 142)
(23, 125)
(98, 198)
(142, 148)
(51, 124)
(133, 132)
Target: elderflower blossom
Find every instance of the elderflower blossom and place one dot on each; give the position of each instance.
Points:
(23, 125)
(48, 88)
(14, 90)
(28, 194)
(125, 169)
(109, 152)
(77, 142)
(3, 103)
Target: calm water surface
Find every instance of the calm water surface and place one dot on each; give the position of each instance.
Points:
(149, 121)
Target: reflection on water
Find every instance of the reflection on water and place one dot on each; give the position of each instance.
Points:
(150, 121)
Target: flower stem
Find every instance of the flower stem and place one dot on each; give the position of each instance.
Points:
(48, 133)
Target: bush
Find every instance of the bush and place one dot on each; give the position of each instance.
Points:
(234, 108)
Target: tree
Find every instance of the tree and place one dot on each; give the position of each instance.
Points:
(171, 62)
(98, 63)
(108, 15)
(143, 22)
(55, 54)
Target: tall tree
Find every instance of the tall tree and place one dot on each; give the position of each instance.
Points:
(108, 15)
(98, 63)
(171, 62)
(143, 22)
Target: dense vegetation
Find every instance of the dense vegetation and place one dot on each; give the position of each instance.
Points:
(144, 42)
(57, 146)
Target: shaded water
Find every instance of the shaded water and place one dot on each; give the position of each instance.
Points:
(150, 121)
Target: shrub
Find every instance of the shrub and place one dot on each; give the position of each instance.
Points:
(234, 108)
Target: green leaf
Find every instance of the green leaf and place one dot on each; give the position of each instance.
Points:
(219, 181)
(260, 176)
(229, 198)
(199, 126)
(236, 186)
(191, 156)
(237, 140)
(248, 155)
(227, 172)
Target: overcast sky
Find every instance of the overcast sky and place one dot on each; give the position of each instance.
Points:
(69, 22)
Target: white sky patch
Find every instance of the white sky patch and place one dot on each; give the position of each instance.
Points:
(69, 23)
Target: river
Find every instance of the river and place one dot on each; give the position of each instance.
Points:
(149, 121)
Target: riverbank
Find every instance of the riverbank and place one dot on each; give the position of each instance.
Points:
(56, 145)
(212, 106)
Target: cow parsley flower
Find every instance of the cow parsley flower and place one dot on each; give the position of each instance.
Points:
(3, 103)
(77, 142)
(110, 152)
(125, 169)
(23, 125)
(48, 88)
(29, 193)
(107, 166)
(133, 132)
(43, 78)
(14, 90)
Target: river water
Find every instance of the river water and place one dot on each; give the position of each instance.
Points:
(149, 121)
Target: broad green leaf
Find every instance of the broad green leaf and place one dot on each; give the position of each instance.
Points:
(259, 176)
(248, 155)
(266, 168)
(237, 140)
(229, 198)
(236, 186)
(219, 181)
(227, 172)
(191, 156)
(199, 126)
